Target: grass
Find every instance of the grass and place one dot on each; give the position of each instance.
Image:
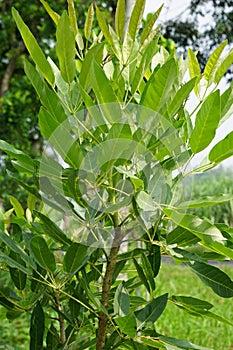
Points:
(179, 280)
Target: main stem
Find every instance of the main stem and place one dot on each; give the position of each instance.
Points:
(107, 282)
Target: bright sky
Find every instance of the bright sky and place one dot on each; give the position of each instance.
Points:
(173, 9)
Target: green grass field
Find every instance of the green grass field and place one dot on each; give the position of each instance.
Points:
(177, 323)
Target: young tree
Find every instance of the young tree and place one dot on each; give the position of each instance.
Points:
(109, 202)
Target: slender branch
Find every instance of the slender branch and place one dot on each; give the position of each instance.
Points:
(61, 319)
(107, 282)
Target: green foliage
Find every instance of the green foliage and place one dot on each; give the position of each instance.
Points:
(116, 115)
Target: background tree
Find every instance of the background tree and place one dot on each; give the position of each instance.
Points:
(202, 26)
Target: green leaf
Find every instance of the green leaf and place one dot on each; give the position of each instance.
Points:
(42, 254)
(160, 86)
(145, 202)
(212, 62)
(72, 16)
(201, 228)
(24, 160)
(52, 338)
(180, 344)
(141, 275)
(222, 150)
(181, 237)
(180, 97)
(48, 98)
(194, 68)
(206, 122)
(89, 22)
(143, 66)
(121, 301)
(190, 302)
(127, 324)
(33, 48)
(146, 266)
(227, 103)
(85, 77)
(11, 244)
(37, 327)
(17, 206)
(205, 202)
(101, 85)
(75, 258)
(149, 26)
(224, 66)
(213, 277)
(221, 249)
(103, 26)
(152, 342)
(197, 307)
(120, 18)
(18, 277)
(151, 312)
(5, 259)
(52, 229)
(65, 48)
(136, 18)
(55, 16)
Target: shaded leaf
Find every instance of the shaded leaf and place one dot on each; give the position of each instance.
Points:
(18, 277)
(5, 259)
(141, 275)
(42, 254)
(75, 258)
(127, 324)
(52, 229)
(181, 344)
(37, 327)
(213, 277)
(151, 312)
(121, 301)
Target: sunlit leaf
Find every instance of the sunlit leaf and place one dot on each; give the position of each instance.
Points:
(222, 150)
(120, 18)
(212, 62)
(35, 51)
(89, 22)
(65, 48)
(55, 16)
(206, 122)
(149, 26)
(136, 17)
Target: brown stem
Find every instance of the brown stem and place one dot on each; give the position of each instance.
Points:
(107, 282)
(61, 319)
